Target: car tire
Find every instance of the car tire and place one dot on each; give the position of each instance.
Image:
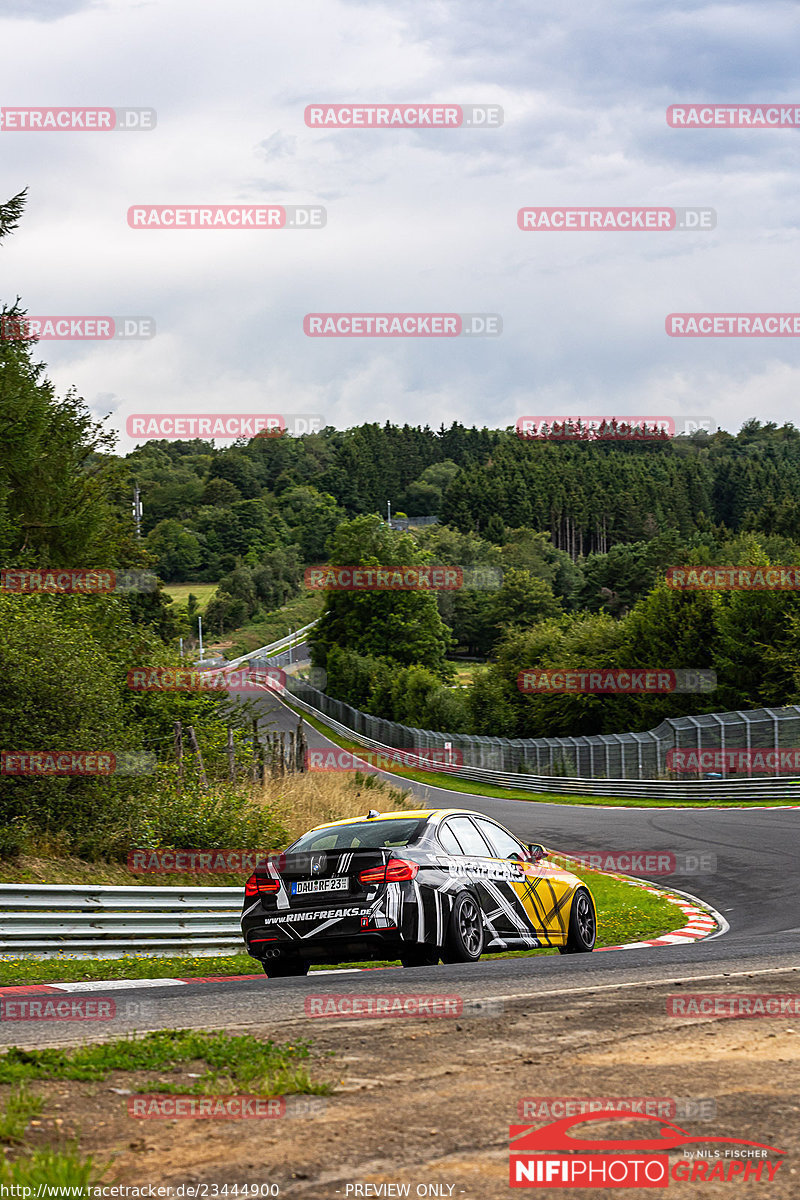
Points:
(420, 956)
(285, 968)
(582, 932)
(464, 939)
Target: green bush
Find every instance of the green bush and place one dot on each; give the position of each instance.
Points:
(197, 821)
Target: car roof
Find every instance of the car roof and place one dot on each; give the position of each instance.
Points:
(419, 814)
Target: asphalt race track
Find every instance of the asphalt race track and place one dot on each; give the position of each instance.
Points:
(755, 886)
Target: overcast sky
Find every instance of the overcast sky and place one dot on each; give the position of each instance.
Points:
(417, 221)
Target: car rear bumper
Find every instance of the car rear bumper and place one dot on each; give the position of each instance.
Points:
(368, 946)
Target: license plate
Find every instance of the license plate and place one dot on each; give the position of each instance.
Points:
(337, 883)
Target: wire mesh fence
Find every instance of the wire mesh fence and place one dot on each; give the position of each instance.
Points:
(400, 524)
(761, 743)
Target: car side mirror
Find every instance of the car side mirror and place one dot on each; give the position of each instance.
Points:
(537, 852)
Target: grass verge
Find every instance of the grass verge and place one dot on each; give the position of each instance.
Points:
(231, 1063)
(20, 1108)
(176, 1061)
(624, 914)
(57, 1168)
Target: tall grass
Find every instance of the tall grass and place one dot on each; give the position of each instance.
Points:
(301, 802)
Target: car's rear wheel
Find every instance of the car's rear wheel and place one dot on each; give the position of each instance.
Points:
(420, 956)
(277, 968)
(582, 931)
(464, 940)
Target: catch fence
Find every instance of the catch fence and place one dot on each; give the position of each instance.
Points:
(615, 756)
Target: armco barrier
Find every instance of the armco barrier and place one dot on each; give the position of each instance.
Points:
(692, 791)
(292, 640)
(48, 920)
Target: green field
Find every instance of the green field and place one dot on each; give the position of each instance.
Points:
(235, 642)
(180, 593)
(294, 615)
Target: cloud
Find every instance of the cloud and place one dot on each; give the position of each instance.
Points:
(418, 221)
(45, 10)
(278, 145)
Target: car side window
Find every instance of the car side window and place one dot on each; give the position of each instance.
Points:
(470, 838)
(505, 845)
(449, 840)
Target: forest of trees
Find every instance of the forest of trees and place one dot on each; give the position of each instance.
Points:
(577, 537)
(64, 659)
(393, 655)
(207, 507)
(582, 534)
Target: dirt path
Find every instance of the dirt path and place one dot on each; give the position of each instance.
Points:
(429, 1102)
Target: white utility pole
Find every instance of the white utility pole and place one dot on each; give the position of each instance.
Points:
(137, 509)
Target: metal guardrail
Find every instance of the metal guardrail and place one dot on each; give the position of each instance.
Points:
(74, 921)
(699, 791)
(296, 655)
(292, 639)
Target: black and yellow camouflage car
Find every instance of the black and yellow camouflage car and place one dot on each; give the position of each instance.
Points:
(443, 884)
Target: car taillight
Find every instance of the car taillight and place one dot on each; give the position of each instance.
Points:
(397, 870)
(257, 884)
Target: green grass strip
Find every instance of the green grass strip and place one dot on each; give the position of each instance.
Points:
(233, 1063)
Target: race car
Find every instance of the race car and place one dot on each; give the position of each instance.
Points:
(445, 884)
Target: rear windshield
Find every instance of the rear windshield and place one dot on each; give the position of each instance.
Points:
(370, 834)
